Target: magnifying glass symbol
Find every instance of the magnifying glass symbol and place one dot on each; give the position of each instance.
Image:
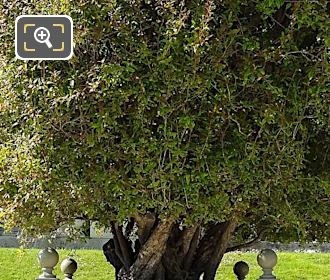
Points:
(41, 35)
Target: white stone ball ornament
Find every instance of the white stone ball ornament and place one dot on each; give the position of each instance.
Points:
(69, 266)
(48, 259)
(241, 270)
(267, 259)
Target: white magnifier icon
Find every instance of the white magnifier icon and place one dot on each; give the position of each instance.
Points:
(41, 35)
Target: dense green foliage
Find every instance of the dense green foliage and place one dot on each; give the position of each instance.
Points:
(195, 109)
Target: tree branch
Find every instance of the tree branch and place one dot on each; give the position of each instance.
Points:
(192, 249)
(116, 245)
(206, 247)
(145, 224)
(247, 244)
(111, 255)
(151, 253)
(220, 249)
(125, 249)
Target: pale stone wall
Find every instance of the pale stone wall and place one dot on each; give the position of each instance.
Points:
(99, 236)
(94, 240)
(91, 243)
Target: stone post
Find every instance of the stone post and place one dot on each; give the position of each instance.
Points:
(48, 259)
(267, 259)
(241, 269)
(69, 267)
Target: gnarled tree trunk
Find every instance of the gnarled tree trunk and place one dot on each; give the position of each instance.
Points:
(166, 251)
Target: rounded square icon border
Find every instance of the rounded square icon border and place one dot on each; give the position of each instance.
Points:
(33, 16)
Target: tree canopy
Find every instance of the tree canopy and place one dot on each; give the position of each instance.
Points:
(198, 111)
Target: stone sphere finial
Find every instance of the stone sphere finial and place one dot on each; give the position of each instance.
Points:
(48, 259)
(267, 259)
(241, 269)
(69, 266)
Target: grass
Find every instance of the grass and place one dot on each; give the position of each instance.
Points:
(16, 264)
(291, 266)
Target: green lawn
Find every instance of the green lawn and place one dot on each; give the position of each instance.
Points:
(22, 265)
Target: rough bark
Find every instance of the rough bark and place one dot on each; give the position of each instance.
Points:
(145, 224)
(165, 251)
(149, 258)
(221, 245)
